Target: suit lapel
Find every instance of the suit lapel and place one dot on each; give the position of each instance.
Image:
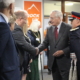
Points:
(61, 32)
(52, 34)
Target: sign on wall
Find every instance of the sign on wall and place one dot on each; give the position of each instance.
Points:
(34, 10)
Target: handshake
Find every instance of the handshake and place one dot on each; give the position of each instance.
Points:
(37, 51)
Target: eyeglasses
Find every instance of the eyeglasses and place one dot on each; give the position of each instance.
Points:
(24, 19)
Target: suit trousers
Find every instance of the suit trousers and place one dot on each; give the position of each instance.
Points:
(78, 70)
(58, 74)
(11, 75)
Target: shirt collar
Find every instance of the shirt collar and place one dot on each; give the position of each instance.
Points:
(59, 25)
(5, 17)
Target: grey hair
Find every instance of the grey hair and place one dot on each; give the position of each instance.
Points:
(58, 14)
(5, 3)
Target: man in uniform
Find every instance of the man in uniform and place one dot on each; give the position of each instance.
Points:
(75, 38)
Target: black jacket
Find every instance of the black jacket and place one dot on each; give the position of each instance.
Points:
(21, 43)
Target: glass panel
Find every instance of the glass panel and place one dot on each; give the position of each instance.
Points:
(72, 6)
(50, 6)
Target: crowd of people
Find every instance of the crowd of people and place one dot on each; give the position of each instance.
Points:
(19, 49)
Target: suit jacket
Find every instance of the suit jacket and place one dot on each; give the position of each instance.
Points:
(75, 41)
(8, 55)
(21, 42)
(62, 43)
(75, 46)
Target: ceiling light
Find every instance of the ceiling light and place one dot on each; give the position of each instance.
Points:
(69, 4)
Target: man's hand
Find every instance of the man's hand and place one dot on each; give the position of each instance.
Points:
(58, 53)
(37, 51)
(41, 53)
(30, 61)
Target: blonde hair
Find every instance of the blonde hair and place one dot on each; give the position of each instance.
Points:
(25, 28)
(21, 14)
(12, 19)
(34, 26)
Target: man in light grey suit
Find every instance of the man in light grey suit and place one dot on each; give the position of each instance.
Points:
(58, 40)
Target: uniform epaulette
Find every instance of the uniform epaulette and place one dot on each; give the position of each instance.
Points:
(74, 29)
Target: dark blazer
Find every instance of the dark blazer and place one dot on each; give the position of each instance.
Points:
(33, 37)
(62, 43)
(75, 46)
(8, 54)
(21, 42)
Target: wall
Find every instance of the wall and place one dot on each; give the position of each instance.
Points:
(74, 7)
(19, 3)
(52, 5)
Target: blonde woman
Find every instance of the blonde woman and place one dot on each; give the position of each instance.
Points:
(12, 20)
(34, 34)
(27, 59)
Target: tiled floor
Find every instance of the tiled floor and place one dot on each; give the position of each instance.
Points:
(46, 76)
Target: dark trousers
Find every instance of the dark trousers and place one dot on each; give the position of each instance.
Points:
(78, 70)
(10, 75)
(59, 74)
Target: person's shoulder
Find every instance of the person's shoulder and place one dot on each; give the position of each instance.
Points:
(30, 32)
(50, 27)
(66, 25)
(75, 29)
(17, 28)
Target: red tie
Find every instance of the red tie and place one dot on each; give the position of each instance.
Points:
(56, 33)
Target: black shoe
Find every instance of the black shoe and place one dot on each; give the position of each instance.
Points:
(49, 72)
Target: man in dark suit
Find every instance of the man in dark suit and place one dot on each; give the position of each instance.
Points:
(18, 35)
(9, 61)
(58, 40)
(75, 38)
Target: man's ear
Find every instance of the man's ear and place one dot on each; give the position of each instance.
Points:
(11, 6)
(78, 21)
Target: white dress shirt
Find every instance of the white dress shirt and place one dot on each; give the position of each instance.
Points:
(59, 26)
